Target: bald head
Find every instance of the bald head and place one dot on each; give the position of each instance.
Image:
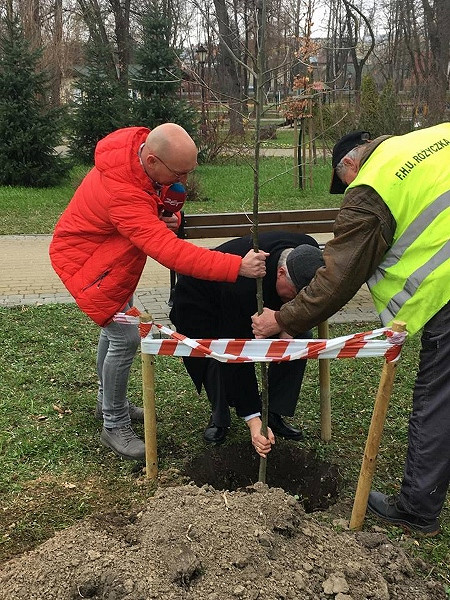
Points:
(171, 139)
(169, 153)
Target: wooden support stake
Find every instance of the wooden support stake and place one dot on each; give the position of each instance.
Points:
(324, 383)
(148, 397)
(373, 439)
(296, 146)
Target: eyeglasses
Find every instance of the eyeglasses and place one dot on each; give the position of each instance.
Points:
(178, 174)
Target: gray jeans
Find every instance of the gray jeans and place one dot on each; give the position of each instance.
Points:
(427, 469)
(117, 347)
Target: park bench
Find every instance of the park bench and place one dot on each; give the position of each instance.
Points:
(231, 225)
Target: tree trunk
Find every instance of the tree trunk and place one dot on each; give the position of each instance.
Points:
(93, 19)
(438, 22)
(230, 82)
(31, 19)
(353, 32)
(121, 11)
(57, 55)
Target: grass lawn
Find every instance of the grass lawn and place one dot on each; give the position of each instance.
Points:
(229, 187)
(36, 210)
(51, 456)
(226, 187)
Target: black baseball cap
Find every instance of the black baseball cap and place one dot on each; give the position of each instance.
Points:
(341, 148)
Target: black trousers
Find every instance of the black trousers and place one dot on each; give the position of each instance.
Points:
(427, 469)
(237, 385)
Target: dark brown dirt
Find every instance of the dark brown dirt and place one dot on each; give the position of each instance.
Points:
(295, 470)
(199, 543)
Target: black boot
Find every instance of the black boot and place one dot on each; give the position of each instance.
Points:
(279, 427)
(388, 509)
(214, 434)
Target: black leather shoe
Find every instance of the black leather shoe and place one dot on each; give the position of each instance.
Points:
(214, 434)
(279, 427)
(388, 509)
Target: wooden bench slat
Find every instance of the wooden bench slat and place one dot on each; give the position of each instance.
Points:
(219, 225)
(308, 215)
(236, 230)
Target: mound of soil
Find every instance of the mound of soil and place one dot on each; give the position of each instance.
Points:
(197, 543)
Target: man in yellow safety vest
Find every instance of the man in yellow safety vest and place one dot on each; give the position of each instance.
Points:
(392, 231)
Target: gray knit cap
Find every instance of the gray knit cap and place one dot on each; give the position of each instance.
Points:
(302, 264)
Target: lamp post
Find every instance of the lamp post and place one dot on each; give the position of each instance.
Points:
(202, 54)
(349, 82)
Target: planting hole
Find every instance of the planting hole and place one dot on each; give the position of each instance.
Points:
(297, 471)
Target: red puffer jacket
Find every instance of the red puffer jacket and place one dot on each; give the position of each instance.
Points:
(102, 240)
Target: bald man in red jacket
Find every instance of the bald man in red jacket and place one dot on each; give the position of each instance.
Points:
(101, 243)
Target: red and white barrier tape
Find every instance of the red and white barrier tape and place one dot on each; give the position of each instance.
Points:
(357, 345)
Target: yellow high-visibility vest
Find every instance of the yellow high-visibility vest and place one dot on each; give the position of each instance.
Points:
(411, 173)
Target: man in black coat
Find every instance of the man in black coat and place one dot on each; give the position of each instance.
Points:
(210, 309)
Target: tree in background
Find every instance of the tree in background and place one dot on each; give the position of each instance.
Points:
(380, 114)
(29, 128)
(100, 106)
(437, 18)
(356, 21)
(390, 112)
(108, 24)
(369, 116)
(230, 65)
(158, 79)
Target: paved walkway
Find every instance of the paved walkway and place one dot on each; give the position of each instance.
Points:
(27, 278)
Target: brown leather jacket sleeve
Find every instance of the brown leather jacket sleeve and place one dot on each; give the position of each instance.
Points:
(363, 231)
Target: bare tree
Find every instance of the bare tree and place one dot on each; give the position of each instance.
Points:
(57, 54)
(109, 27)
(94, 19)
(391, 52)
(230, 50)
(337, 48)
(30, 11)
(437, 17)
(354, 17)
(121, 12)
(415, 40)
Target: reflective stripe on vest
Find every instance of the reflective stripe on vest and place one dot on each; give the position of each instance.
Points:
(410, 235)
(413, 282)
(411, 173)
